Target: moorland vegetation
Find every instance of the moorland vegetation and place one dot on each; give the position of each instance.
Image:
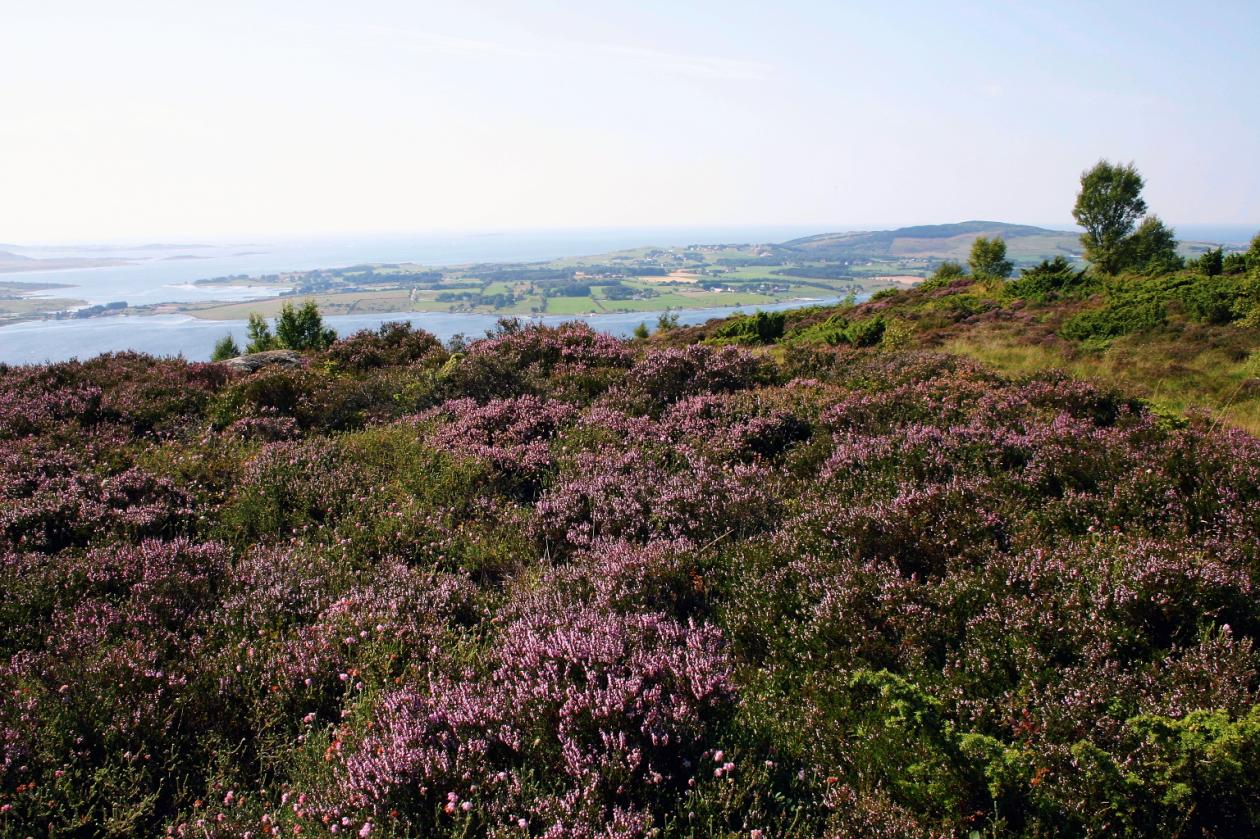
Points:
(817, 573)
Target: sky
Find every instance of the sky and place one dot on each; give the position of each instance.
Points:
(139, 120)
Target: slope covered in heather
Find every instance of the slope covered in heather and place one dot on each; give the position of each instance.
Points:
(555, 584)
(1182, 341)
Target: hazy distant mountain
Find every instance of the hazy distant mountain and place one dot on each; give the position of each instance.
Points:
(7, 257)
(10, 262)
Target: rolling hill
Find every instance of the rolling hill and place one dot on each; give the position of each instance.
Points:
(1025, 243)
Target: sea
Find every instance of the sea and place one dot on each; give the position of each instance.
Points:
(167, 272)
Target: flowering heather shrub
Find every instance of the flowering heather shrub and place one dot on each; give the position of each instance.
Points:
(393, 344)
(101, 702)
(140, 393)
(31, 403)
(546, 348)
(265, 429)
(554, 588)
(664, 376)
(290, 485)
(512, 434)
(638, 495)
(571, 360)
(313, 634)
(52, 500)
(581, 712)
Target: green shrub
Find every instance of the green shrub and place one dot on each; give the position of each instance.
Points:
(838, 329)
(1052, 279)
(1210, 263)
(757, 328)
(225, 348)
(1114, 320)
(944, 274)
(1203, 769)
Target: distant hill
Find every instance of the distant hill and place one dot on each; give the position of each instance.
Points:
(7, 257)
(1025, 243)
(10, 262)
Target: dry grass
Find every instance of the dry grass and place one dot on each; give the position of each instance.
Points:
(1175, 373)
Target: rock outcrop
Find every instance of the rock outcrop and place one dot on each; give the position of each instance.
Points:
(255, 361)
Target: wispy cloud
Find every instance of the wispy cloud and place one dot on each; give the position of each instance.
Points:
(680, 64)
(435, 42)
(701, 66)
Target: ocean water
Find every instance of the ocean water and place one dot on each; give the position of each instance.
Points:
(168, 274)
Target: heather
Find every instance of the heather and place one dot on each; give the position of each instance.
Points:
(1183, 337)
(549, 583)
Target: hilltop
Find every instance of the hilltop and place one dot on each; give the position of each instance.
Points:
(930, 243)
(935, 241)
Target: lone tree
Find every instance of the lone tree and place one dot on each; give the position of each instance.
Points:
(1108, 207)
(988, 258)
(303, 329)
(296, 329)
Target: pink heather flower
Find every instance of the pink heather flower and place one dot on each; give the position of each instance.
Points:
(755, 834)
(366, 830)
(718, 755)
(466, 806)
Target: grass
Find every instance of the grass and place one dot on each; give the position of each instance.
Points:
(571, 305)
(1174, 374)
(15, 308)
(354, 302)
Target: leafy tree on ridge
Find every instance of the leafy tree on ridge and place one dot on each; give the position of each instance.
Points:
(1108, 206)
(988, 258)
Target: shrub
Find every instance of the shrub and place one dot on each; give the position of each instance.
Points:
(838, 329)
(757, 328)
(1114, 320)
(393, 344)
(225, 348)
(1052, 280)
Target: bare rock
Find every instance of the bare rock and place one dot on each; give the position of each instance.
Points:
(253, 362)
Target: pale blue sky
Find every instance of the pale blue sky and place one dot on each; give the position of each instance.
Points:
(131, 119)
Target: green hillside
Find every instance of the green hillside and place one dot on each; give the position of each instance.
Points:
(1183, 341)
